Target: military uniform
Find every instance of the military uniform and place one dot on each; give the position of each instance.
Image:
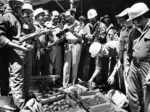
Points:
(138, 71)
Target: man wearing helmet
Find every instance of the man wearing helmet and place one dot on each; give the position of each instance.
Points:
(95, 31)
(10, 33)
(140, 66)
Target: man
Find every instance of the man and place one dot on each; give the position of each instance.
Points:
(56, 51)
(140, 66)
(118, 74)
(28, 28)
(72, 51)
(10, 33)
(42, 56)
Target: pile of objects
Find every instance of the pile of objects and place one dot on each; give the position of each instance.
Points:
(76, 98)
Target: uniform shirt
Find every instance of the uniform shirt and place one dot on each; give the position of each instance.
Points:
(10, 28)
(141, 49)
(99, 29)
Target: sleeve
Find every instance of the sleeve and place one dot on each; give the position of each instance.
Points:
(3, 32)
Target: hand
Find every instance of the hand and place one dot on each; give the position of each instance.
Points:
(147, 80)
(23, 48)
(91, 84)
(111, 80)
(29, 47)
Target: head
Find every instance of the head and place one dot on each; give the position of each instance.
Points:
(95, 49)
(73, 12)
(16, 5)
(138, 14)
(69, 18)
(82, 19)
(106, 19)
(39, 15)
(47, 16)
(27, 13)
(55, 16)
(112, 34)
(92, 14)
(122, 18)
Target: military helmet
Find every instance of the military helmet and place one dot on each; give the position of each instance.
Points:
(92, 13)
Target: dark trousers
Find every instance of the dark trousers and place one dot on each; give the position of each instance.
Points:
(4, 73)
(56, 60)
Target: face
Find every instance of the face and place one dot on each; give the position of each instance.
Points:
(93, 20)
(107, 21)
(40, 18)
(56, 19)
(16, 6)
(27, 16)
(138, 22)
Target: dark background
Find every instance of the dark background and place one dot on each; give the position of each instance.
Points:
(111, 7)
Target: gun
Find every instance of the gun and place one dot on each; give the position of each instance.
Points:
(35, 34)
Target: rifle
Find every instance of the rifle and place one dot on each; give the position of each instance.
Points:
(35, 34)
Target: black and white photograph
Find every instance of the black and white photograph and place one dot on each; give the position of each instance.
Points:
(74, 56)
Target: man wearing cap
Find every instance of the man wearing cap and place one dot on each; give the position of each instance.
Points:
(42, 55)
(72, 51)
(10, 33)
(140, 65)
(27, 28)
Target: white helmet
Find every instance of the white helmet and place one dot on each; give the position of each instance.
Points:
(38, 11)
(92, 13)
(123, 13)
(27, 6)
(137, 10)
(95, 49)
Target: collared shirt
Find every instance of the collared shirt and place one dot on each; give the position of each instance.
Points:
(141, 49)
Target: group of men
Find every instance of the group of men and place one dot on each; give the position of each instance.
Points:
(58, 44)
(133, 55)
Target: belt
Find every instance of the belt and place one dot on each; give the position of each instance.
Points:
(74, 42)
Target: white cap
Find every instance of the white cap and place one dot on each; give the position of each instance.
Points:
(55, 13)
(38, 11)
(92, 13)
(123, 13)
(137, 10)
(95, 49)
(27, 6)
